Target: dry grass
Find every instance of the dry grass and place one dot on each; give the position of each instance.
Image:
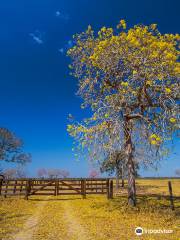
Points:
(96, 217)
(13, 213)
(159, 186)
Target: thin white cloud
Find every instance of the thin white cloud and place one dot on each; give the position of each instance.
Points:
(36, 37)
(61, 50)
(62, 15)
(70, 43)
(58, 13)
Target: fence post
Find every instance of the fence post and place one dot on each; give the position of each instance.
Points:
(6, 189)
(83, 188)
(122, 185)
(55, 190)
(57, 187)
(111, 189)
(22, 182)
(107, 187)
(171, 195)
(1, 182)
(28, 189)
(15, 183)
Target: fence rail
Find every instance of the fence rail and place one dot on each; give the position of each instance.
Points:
(67, 186)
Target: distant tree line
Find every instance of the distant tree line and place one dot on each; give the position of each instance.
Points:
(52, 173)
(177, 172)
(11, 173)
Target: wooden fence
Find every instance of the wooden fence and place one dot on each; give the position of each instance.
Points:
(56, 187)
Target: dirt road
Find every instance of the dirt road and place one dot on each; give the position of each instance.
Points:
(53, 219)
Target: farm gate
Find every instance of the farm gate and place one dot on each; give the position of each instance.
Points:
(56, 187)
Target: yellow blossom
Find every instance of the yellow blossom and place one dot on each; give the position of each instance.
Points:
(134, 72)
(172, 120)
(155, 139)
(149, 82)
(103, 29)
(106, 115)
(122, 24)
(125, 84)
(158, 139)
(154, 142)
(168, 90)
(153, 135)
(134, 93)
(69, 127)
(160, 77)
(153, 26)
(177, 69)
(83, 60)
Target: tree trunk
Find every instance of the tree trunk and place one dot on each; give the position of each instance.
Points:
(130, 164)
(117, 179)
(131, 182)
(122, 176)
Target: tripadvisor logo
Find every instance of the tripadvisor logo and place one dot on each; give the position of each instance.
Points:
(138, 231)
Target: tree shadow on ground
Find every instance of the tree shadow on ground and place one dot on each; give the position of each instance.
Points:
(157, 202)
(53, 199)
(147, 187)
(8, 223)
(145, 203)
(6, 216)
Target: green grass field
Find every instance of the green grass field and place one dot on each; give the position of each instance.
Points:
(95, 218)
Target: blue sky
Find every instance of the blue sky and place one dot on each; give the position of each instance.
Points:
(36, 91)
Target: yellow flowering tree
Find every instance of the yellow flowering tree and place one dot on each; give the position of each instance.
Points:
(130, 79)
